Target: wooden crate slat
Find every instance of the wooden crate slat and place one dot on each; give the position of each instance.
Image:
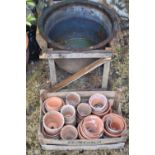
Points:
(108, 94)
(95, 147)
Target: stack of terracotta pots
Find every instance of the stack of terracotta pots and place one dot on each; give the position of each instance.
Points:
(53, 122)
(72, 119)
(115, 125)
(91, 127)
(99, 104)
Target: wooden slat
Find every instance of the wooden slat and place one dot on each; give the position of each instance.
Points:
(79, 74)
(95, 147)
(105, 77)
(53, 77)
(61, 54)
(79, 142)
(108, 94)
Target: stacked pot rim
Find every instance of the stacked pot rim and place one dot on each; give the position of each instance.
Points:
(53, 122)
(99, 104)
(115, 125)
(69, 113)
(91, 127)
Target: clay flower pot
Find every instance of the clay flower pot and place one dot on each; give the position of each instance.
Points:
(69, 114)
(46, 135)
(102, 114)
(53, 103)
(53, 122)
(73, 99)
(115, 125)
(68, 132)
(91, 127)
(98, 103)
(83, 110)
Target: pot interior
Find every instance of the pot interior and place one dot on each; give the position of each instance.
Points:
(77, 26)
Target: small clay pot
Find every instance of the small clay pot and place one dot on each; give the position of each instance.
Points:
(83, 110)
(115, 125)
(68, 132)
(69, 113)
(53, 103)
(98, 103)
(73, 99)
(53, 121)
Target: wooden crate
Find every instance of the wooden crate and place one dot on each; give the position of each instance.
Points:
(98, 144)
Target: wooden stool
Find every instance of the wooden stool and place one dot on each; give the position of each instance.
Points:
(104, 58)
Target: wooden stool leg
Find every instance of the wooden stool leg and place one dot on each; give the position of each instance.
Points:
(105, 77)
(53, 77)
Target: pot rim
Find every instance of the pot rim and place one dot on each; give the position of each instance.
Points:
(112, 134)
(96, 96)
(49, 113)
(71, 127)
(108, 11)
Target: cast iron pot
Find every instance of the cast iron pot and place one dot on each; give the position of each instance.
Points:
(77, 25)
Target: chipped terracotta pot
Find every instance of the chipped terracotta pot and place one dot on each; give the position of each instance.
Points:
(69, 132)
(53, 103)
(91, 127)
(115, 125)
(69, 113)
(83, 110)
(53, 121)
(73, 99)
(98, 103)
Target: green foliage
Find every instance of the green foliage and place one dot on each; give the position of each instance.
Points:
(30, 18)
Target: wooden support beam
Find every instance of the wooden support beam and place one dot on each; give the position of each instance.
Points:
(79, 74)
(53, 77)
(62, 54)
(105, 77)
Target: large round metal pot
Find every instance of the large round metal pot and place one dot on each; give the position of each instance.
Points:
(77, 25)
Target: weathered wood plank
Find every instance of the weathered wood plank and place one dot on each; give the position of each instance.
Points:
(105, 77)
(62, 54)
(79, 74)
(79, 142)
(95, 147)
(53, 77)
(108, 94)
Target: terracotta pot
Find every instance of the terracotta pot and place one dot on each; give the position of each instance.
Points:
(102, 114)
(98, 103)
(83, 110)
(91, 127)
(115, 125)
(68, 132)
(53, 103)
(69, 114)
(53, 121)
(73, 99)
(46, 135)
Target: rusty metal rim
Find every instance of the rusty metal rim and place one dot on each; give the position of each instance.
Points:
(109, 12)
